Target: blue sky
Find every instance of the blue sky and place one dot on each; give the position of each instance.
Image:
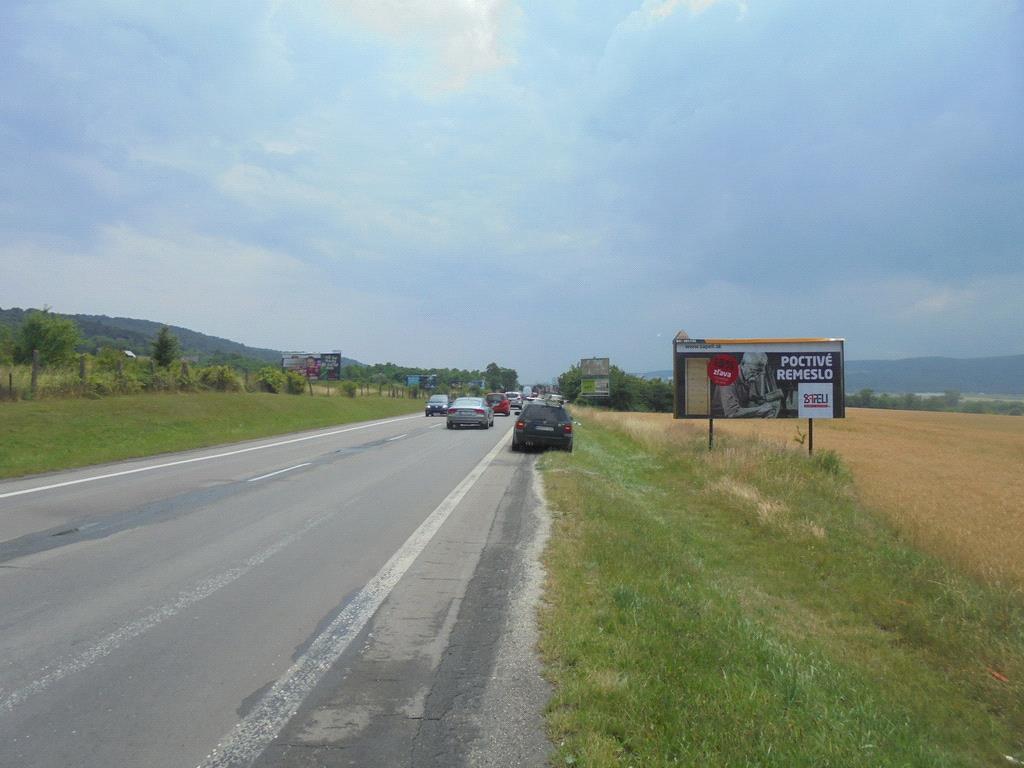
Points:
(449, 183)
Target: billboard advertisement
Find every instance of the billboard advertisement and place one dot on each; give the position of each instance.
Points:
(594, 376)
(758, 378)
(320, 367)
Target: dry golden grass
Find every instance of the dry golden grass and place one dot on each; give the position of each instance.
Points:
(952, 482)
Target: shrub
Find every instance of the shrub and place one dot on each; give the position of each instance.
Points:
(296, 383)
(220, 378)
(349, 388)
(271, 379)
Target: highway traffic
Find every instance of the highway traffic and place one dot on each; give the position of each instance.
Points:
(268, 602)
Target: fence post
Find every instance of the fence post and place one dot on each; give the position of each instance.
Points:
(35, 371)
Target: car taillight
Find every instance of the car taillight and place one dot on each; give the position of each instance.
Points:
(479, 410)
(567, 428)
(520, 425)
(451, 410)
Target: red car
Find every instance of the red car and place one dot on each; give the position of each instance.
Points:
(499, 403)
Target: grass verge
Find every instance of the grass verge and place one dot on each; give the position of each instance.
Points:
(48, 435)
(740, 608)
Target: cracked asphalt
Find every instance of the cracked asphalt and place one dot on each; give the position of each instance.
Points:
(446, 673)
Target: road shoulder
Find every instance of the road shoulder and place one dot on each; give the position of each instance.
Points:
(446, 673)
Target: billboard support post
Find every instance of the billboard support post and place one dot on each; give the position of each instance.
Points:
(810, 436)
(711, 434)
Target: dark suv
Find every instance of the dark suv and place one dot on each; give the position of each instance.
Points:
(542, 425)
(437, 405)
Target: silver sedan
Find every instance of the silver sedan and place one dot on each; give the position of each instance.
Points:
(470, 411)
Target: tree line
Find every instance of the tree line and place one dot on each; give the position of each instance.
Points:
(626, 391)
(950, 400)
(51, 346)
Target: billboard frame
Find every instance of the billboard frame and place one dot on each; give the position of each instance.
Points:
(595, 377)
(791, 378)
(314, 366)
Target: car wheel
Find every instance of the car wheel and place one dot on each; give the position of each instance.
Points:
(449, 425)
(515, 446)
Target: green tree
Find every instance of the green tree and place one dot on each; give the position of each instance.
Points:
(166, 348)
(569, 383)
(624, 390)
(6, 345)
(55, 337)
(492, 377)
(509, 380)
(659, 396)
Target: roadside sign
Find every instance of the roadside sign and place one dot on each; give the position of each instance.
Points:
(758, 378)
(595, 375)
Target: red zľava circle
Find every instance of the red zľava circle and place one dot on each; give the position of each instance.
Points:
(723, 370)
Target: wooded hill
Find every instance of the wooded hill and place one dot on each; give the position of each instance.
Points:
(100, 331)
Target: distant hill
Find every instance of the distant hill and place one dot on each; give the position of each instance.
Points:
(100, 331)
(1002, 375)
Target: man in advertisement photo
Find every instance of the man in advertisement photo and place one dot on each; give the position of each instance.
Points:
(754, 394)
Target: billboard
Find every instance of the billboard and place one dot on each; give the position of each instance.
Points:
(758, 378)
(594, 377)
(322, 367)
(424, 380)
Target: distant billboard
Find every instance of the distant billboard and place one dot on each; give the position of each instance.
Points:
(758, 378)
(424, 380)
(595, 375)
(319, 366)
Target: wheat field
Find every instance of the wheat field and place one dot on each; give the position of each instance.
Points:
(951, 482)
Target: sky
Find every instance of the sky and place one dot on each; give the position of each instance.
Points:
(447, 183)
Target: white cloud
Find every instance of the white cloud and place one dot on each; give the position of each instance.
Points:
(465, 37)
(214, 285)
(654, 11)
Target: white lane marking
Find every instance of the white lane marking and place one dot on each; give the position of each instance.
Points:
(201, 458)
(437, 425)
(115, 641)
(396, 437)
(260, 727)
(289, 469)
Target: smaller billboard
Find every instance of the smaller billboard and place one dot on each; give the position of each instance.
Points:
(322, 367)
(422, 380)
(595, 367)
(595, 375)
(758, 378)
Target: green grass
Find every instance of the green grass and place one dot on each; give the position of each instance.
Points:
(48, 435)
(740, 608)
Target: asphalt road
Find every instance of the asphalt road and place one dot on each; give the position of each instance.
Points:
(362, 595)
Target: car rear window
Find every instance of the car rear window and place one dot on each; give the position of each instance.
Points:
(495, 398)
(550, 412)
